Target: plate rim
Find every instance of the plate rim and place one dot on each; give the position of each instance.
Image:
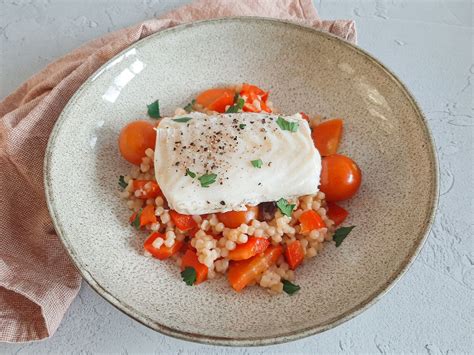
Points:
(258, 340)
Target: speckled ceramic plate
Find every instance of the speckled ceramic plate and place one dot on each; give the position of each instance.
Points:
(305, 70)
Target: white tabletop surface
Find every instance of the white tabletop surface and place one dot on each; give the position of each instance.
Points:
(429, 44)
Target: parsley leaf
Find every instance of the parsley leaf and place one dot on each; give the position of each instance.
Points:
(257, 163)
(340, 234)
(182, 119)
(207, 179)
(239, 104)
(242, 125)
(190, 173)
(285, 207)
(136, 221)
(154, 109)
(190, 107)
(122, 182)
(287, 125)
(290, 288)
(189, 275)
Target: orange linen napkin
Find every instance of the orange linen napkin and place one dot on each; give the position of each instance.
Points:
(37, 279)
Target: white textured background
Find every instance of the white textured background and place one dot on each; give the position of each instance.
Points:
(429, 44)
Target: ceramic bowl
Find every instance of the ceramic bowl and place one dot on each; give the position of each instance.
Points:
(305, 70)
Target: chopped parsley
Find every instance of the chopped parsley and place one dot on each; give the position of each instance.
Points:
(207, 179)
(189, 275)
(287, 125)
(136, 221)
(154, 109)
(122, 182)
(190, 107)
(285, 207)
(190, 173)
(257, 163)
(239, 104)
(242, 125)
(290, 288)
(182, 119)
(341, 233)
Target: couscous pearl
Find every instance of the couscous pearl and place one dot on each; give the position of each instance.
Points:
(322, 212)
(213, 220)
(165, 217)
(250, 230)
(221, 242)
(224, 253)
(219, 227)
(230, 245)
(316, 205)
(157, 243)
(255, 223)
(205, 225)
(320, 195)
(150, 201)
(244, 228)
(271, 231)
(197, 218)
(159, 211)
(311, 252)
(200, 234)
(208, 244)
(211, 274)
(144, 167)
(155, 227)
(258, 233)
(149, 153)
(159, 201)
(137, 193)
(170, 235)
(169, 242)
(199, 244)
(314, 234)
(243, 238)
(233, 235)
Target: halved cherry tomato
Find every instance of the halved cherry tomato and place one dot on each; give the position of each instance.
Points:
(148, 215)
(134, 139)
(340, 177)
(294, 254)
(243, 272)
(336, 213)
(190, 259)
(233, 219)
(149, 188)
(184, 222)
(310, 220)
(163, 252)
(253, 247)
(216, 99)
(326, 136)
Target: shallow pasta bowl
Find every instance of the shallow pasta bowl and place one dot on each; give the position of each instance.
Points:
(305, 70)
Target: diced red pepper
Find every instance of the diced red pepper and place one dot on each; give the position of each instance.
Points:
(336, 213)
(190, 259)
(294, 254)
(184, 222)
(148, 188)
(310, 220)
(163, 252)
(253, 247)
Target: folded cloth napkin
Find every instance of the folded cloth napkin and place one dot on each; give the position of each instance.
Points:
(37, 279)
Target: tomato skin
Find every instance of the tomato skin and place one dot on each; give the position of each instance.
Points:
(340, 177)
(336, 213)
(294, 254)
(233, 219)
(253, 247)
(327, 135)
(134, 139)
(162, 252)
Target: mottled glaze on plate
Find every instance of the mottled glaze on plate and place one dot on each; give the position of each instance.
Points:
(305, 70)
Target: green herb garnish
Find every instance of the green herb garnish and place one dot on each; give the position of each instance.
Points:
(189, 275)
(207, 179)
(287, 125)
(182, 119)
(285, 207)
(242, 125)
(257, 163)
(340, 234)
(190, 107)
(122, 182)
(136, 221)
(154, 109)
(239, 104)
(190, 173)
(289, 287)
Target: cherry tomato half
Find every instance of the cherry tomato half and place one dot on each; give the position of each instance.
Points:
(340, 177)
